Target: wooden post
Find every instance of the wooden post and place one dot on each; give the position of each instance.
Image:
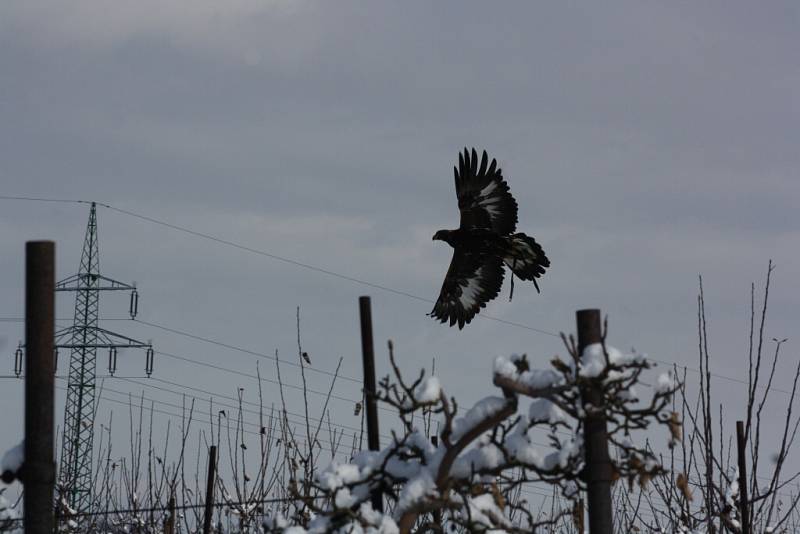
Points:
(212, 473)
(744, 505)
(368, 357)
(38, 471)
(598, 462)
(169, 522)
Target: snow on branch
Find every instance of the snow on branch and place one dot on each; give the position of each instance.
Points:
(465, 477)
(11, 463)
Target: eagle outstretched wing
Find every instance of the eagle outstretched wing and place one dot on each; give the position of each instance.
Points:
(484, 199)
(472, 280)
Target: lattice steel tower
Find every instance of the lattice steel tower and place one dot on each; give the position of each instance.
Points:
(83, 339)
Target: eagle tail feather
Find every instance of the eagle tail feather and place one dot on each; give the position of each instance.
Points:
(525, 258)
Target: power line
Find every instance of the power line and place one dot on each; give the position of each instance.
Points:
(230, 504)
(228, 397)
(271, 381)
(323, 271)
(309, 368)
(256, 425)
(355, 380)
(250, 376)
(254, 404)
(275, 257)
(245, 351)
(209, 414)
(216, 394)
(65, 377)
(307, 265)
(207, 392)
(180, 416)
(42, 199)
(291, 413)
(176, 507)
(216, 343)
(312, 418)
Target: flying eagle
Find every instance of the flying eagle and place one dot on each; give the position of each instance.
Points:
(483, 242)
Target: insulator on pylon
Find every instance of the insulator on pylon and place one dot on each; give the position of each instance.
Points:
(112, 360)
(55, 359)
(134, 307)
(148, 361)
(18, 361)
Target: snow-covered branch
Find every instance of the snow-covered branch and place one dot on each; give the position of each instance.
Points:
(464, 478)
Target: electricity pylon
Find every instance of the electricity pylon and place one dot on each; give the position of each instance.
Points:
(83, 339)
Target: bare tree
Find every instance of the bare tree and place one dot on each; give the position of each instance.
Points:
(703, 492)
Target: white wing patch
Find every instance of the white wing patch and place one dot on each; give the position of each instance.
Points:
(469, 293)
(488, 202)
(488, 189)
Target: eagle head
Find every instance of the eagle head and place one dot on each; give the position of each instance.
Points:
(444, 235)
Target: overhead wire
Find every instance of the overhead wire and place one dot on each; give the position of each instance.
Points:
(350, 428)
(209, 414)
(246, 351)
(250, 376)
(351, 379)
(171, 415)
(227, 503)
(273, 256)
(307, 266)
(321, 270)
(210, 341)
(133, 396)
(233, 347)
(217, 395)
(176, 507)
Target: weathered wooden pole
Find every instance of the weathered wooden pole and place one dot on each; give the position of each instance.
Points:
(212, 473)
(169, 522)
(38, 471)
(744, 506)
(598, 462)
(370, 390)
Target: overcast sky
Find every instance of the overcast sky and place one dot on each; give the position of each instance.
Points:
(645, 142)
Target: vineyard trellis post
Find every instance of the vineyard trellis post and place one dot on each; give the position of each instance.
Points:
(741, 446)
(169, 522)
(212, 473)
(38, 474)
(598, 470)
(370, 390)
